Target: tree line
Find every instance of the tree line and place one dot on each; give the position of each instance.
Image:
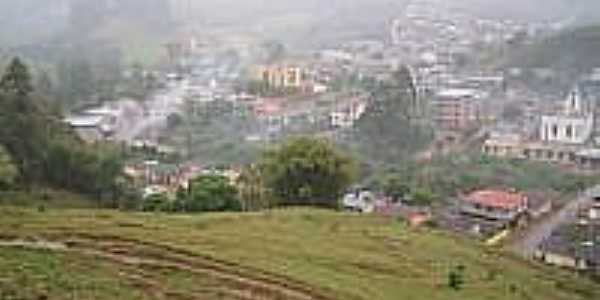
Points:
(300, 172)
(38, 149)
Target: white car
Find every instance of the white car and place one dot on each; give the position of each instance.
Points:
(361, 201)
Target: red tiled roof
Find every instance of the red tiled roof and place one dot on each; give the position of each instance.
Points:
(497, 199)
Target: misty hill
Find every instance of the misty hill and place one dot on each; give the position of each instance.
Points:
(29, 21)
(575, 11)
(573, 49)
(139, 25)
(41, 28)
(299, 23)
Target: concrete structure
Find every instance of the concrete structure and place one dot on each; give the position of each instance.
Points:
(495, 204)
(89, 128)
(574, 246)
(504, 145)
(516, 149)
(95, 124)
(347, 116)
(588, 159)
(567, 129)
(284, 76)
(574, 126)
(455, 109)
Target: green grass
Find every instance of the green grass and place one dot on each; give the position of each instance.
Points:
(27, 274)
(37, 274)
(46, 198)
(345, 256)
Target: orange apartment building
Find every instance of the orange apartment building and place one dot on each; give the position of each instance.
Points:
(455, 109)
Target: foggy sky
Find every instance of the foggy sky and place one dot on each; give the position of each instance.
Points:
(37, 19)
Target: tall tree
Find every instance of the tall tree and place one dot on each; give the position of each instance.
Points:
(389, 130)
(17, 79)
(8, 170)
(21, 121)
(43, 149)
(308, 171)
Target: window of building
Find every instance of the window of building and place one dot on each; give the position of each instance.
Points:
(554, 131)
(569, 131)
(538, 153)
(577, 131)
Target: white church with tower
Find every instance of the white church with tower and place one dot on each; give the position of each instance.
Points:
(575, 125)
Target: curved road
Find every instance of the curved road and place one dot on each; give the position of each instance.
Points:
(528, 243)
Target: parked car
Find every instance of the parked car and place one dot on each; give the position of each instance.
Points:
(359, 201)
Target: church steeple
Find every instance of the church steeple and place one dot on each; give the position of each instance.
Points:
(574, 104)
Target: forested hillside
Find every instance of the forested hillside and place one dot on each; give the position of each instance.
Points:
(37, 149)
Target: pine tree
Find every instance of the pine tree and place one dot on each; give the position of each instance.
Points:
(17, 79)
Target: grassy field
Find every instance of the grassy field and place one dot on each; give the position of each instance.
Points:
(296, 254)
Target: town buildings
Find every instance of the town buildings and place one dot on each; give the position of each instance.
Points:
(564, 136)
(576, 245)
(572, 126)
(455, 109)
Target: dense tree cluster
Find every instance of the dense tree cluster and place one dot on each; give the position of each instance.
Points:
(307, 171)
(206, 193)
(45, 151)
(209, 193)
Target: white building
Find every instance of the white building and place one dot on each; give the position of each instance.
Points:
(347, 116)
(89, 128)
(574, 126)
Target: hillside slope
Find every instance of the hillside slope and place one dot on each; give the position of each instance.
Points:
(297, 254)
(572, 49)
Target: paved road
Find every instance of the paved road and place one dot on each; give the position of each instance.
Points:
(526, 245)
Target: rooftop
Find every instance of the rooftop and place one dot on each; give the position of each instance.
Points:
(496, 199)
(84, 120)
(458, 93)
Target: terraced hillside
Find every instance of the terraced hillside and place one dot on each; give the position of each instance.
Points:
(297, 254)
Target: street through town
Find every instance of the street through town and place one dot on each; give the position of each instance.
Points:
(528, 242)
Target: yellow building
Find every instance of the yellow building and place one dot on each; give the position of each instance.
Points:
(283, 76)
